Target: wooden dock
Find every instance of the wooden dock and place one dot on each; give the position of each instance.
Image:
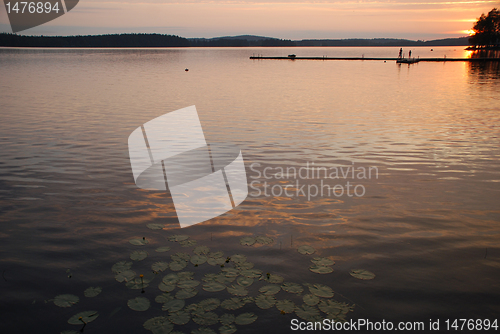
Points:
(380, 59)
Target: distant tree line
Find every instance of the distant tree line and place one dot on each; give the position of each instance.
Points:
(159, 40)
(487, 30)
(121, 40)
(218, 42)
(132, 40)
(461, 41)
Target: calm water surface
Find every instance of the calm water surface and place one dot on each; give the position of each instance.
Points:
(428, 224)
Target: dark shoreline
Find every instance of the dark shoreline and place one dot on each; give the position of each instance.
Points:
(159, 40)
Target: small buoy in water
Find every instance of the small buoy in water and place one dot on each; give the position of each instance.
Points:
(187, 69)
(432, 49)
(385, 61)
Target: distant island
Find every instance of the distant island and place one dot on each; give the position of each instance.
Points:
(160, 40)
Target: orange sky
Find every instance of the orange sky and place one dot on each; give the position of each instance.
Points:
(290, 19)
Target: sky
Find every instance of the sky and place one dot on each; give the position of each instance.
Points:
(287, 19)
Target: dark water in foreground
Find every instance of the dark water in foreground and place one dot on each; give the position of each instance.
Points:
(427, 225)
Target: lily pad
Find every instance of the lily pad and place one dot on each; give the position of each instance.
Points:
(198, 259)
(190, 283)
(92, 291)
(245, 318)
(362, 274)
(159, 325)
(320, 269)
(248, 300)
(166, 287)
(306, 250)
(237, 290)
(286, 306)
(321, 290)
(121, 267)
(83, 317)
(230, 272)
(201, 250)
(163, 298)
(170, 279)
(213, 286)
(292, 287)
(178, 237)
(263, 240)
(186, 293)
(216, 261)
(180, 256)
(210, 277)
(139, 242)
(244, 281)
(125, 276)
(238, 258)
(227, 318)
(179, 317)
(193, 308)
(159, 266)
(310, 299)
(232, 304)
(244, 265)
(177, 265)
(251, 273)
(206, 318)
(154, 226)
(216, 254)
(185, 275)
(323, 261)
(209, 304)
(66, 300)
(272, 278)
(227, 329)
(139, 304)
(137, 283)
(333, 307)
(138, 255)
(308, 313)
(187, 243)
(221, 278)
(265, 301)
(173, 305)
(270, 289)
(162, 249)
(341, 317)
(247, 241)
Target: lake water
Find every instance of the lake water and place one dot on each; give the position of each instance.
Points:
(426, 222)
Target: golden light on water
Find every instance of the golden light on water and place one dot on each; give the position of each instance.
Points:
(468, 53)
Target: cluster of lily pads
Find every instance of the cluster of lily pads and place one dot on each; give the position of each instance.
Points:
(321, 265)
(82, 318)
(258, 240)
(234, 274)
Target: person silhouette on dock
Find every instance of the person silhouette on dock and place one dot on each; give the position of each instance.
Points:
(409, 54)
(400, 53)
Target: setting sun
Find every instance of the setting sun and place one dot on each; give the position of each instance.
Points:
(469, 32)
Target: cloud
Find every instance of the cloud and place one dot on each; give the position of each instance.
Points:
(331, 2)
(291, 19)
